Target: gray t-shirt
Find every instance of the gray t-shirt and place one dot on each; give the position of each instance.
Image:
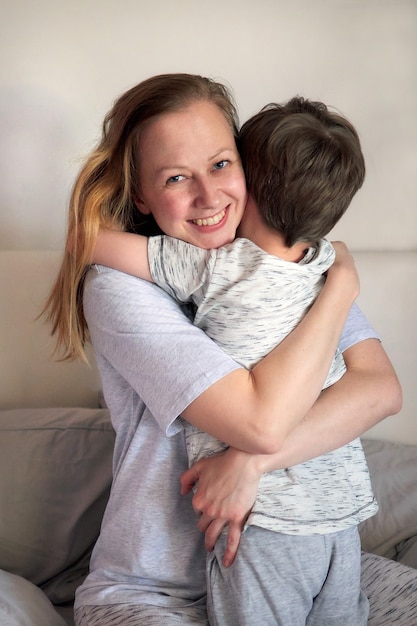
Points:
(150, 550)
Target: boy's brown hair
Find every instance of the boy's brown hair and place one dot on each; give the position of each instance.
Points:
(303, 165)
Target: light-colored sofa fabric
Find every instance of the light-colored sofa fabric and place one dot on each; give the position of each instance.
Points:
(55, 469)
(56, 463)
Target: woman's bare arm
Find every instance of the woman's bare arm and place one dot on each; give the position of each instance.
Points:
(227, 483)
(276, 395)
(300, 362)
(367, 393)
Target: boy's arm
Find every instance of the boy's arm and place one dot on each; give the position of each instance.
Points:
(123, 251)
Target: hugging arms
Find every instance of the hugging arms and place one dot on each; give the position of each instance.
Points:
(155, 365)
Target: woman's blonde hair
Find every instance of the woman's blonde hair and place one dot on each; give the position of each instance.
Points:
(105, 190)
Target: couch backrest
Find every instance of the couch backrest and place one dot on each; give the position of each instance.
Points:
(31, 378)
(389, 300)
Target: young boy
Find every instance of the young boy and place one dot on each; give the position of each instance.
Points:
(303, 165)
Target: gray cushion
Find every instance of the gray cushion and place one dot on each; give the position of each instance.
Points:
(24, 604)
(56, 469)
(393, 531)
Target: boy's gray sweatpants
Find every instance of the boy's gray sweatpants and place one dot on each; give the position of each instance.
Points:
(392, 589)
(288, 580)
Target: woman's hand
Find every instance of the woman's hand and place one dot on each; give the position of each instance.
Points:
(227, 485)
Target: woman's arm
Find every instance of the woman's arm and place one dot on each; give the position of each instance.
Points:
(273, 397)
(241, 408)
(367, 393)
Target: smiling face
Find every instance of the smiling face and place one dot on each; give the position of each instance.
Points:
(191, 177)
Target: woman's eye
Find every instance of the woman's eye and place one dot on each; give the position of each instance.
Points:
(175, 179)
(221, 164)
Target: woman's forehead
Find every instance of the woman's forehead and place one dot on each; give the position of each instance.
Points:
(197, 114)
(199, 127)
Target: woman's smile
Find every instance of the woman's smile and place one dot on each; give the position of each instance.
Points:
(213, 220)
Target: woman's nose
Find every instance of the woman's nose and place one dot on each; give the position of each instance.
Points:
(207, 194)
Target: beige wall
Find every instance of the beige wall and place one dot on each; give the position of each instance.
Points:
(63, 63)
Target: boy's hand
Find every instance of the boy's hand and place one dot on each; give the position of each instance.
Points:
(344, 268)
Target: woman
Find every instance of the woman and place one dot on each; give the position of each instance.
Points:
(168, 161)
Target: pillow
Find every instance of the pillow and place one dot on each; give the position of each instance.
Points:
(407, 552)
(56, 469)
(24, 604)
(391, 589)
(392, 531)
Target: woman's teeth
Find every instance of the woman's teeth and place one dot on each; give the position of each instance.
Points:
(210, 221)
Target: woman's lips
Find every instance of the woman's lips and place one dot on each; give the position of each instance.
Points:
(210, 221)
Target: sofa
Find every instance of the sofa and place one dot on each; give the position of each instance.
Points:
(56, 440)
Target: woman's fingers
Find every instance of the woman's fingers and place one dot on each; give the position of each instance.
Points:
(188, 479)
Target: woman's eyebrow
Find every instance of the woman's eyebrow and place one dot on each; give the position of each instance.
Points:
(177, 166)
(227, 149)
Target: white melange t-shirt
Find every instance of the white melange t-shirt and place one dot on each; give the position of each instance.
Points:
(248, 301)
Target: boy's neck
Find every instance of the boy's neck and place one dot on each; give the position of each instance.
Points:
(268, 239)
